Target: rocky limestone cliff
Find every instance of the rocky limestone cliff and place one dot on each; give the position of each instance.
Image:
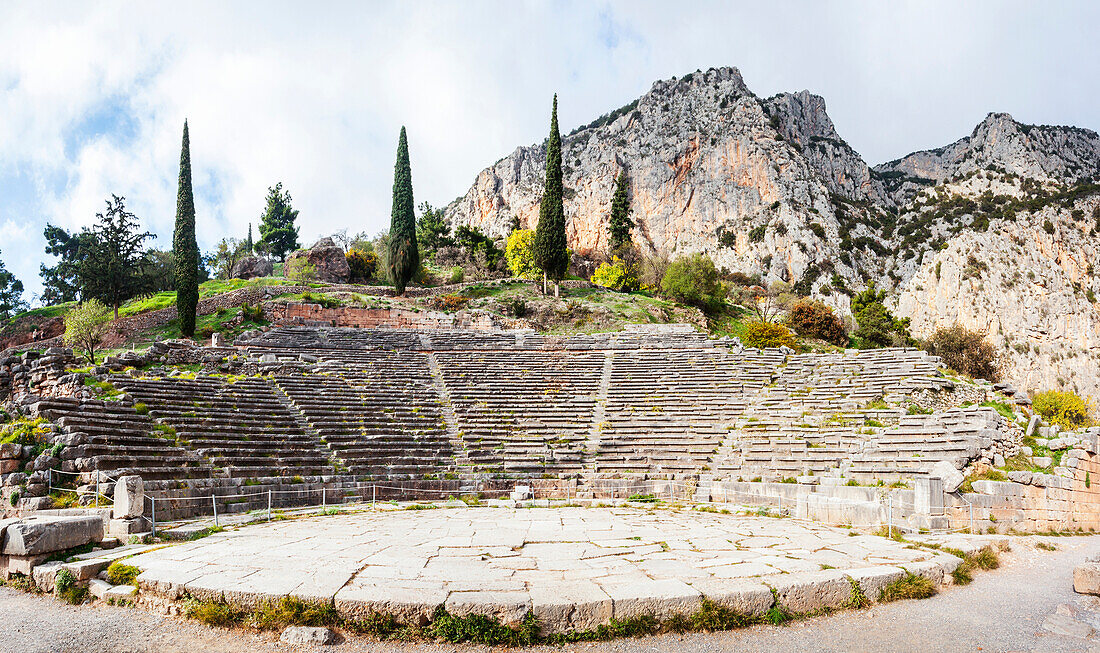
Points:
(997, 231)
(707, 168)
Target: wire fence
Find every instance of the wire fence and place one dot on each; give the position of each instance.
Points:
(891, 515)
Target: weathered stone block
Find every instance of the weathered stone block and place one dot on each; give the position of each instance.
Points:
(811, 590)
(43, 535)
(660, 598)
(413, 605)
(129, 497)
(307, 636)
(563, 606)
(508, 607)
(1086, 578)
(872, 580)
(742, 596)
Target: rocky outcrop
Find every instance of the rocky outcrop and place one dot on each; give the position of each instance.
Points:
(327, 259)
(252, 267)
(708, 173)
(995, 231)
(1042, 152)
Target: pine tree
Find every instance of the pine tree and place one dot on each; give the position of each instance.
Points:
(551, 254)
(185, 249)
(114, 265)
(404, 257)
(278, 235)
(620, 224)
(11, 295)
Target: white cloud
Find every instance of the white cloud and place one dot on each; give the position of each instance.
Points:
(314, 95)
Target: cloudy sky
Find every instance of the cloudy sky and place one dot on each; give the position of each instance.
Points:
(93, 95)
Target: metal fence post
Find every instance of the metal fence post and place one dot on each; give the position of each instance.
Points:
(269, 505)
(373, 495)
(96, 488)
(154, 502)
(324, 499)
(214, 502)
(970, 507)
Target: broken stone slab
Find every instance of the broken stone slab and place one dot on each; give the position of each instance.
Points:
(129, 497)
(121, 593)
(98, 588)
(307, 636)
(42, 535)
(742, 596)
(808, 591)
(44, 576)
(508, 607)
(952, 478)
(1086, 578)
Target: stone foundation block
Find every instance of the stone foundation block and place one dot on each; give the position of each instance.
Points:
(508, 607)
(38, 535)
(742, 596)
(564, 606)
(872, 580)
(413, 605)
(1086, 578)
(809, 591)
(659, 598)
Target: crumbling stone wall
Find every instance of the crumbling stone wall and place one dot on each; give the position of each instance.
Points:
(391, 318)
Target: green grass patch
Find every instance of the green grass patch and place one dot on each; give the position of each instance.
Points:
(984, 475)
(909, 587)
(122, 574)
(1003, 409)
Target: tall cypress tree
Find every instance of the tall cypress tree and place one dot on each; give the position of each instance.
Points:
(619, 223)
(550, 252)
(248, 244)
(185, 249)
(404, 259)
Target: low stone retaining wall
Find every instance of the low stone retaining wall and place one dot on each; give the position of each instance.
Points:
(388, 318)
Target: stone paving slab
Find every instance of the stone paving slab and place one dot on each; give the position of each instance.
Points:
(575, 568)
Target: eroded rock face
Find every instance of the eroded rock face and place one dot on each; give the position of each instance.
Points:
(328, 260)
(706, 169)
(252, 267)
(768, 187)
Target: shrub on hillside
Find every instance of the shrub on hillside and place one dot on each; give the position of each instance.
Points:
(362, 265)
(877, 326)
(617, 274)
(1065, 409)
(85, 327)
(814, 319)
(300, 270)
(767, 334)
(519, 252)
(693, 280)
(964, 351)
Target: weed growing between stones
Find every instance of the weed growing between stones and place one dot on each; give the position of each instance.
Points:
(1045, 547)
(291, 611)
(481, 629)
(858, 600)
(67, 589)
(984, 559)
(205, 533)
(213, 613)
(909, 587)
(122, 574)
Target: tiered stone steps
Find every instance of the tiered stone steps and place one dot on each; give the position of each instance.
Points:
(119, 441)
(241, 425)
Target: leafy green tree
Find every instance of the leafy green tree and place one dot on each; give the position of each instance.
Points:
(229, 251)
(61, 282)
(693, 280)
(278, 235)
(11, 295)
(185, 249)
(877, 327)
(964, 351)
(551, 254)
(114, 266)
(85, 325)
(619, 223)
(432, 231)
(520, 255)
(404, 259)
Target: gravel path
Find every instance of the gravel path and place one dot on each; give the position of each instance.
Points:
(1027, 605)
